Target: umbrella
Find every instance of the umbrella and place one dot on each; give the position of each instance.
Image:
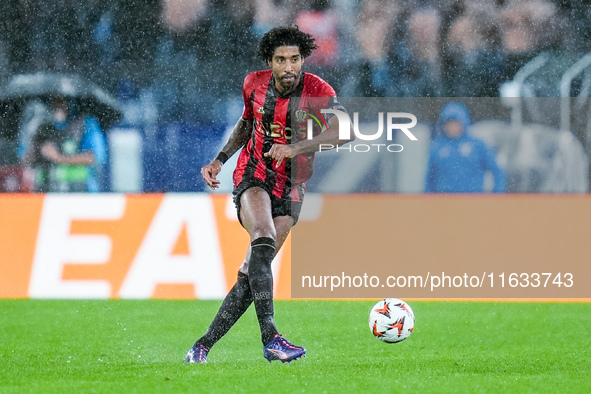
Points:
(43, 85)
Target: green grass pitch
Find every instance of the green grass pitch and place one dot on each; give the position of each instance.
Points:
(121, 346)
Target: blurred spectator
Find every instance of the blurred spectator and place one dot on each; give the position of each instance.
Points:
(136, 28)
(322, 21)
(139, 108)
(68, 153)
(60, 35)
(180, 15)
(458, 161)
(17, 18)
(104, 46)
(271, 13)
(418, 62)
(6, 30)
(374, 33)
(578, 19)
(528, 27)
(200, 61)
(473, 53)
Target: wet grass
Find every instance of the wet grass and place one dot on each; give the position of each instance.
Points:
(138, 346)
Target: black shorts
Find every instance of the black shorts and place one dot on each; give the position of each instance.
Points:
(279, 206)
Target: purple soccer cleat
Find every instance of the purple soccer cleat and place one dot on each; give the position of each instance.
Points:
(281, 349)
(197, 355)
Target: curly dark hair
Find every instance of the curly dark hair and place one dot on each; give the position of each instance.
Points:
(285, 36)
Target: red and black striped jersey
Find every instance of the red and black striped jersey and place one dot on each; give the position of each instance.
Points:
(281, 119)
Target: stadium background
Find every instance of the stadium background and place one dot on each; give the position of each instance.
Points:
(176, 68)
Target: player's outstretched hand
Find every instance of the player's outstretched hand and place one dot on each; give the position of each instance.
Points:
(280, 152)
(210, 172)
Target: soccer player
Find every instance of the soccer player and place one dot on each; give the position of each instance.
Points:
(269, 179)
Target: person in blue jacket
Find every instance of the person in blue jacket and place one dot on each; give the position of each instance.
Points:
(458, 161)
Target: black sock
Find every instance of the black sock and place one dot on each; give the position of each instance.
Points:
(235, 304)
(261, 285)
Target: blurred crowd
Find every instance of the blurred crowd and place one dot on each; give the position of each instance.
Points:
(183, 54)
(176, 66)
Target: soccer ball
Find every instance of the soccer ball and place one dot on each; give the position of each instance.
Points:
(391, 320)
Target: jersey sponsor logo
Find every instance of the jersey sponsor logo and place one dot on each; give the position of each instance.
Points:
(304, 129)
(278, 131)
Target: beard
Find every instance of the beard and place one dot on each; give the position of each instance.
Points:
(288, 82)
